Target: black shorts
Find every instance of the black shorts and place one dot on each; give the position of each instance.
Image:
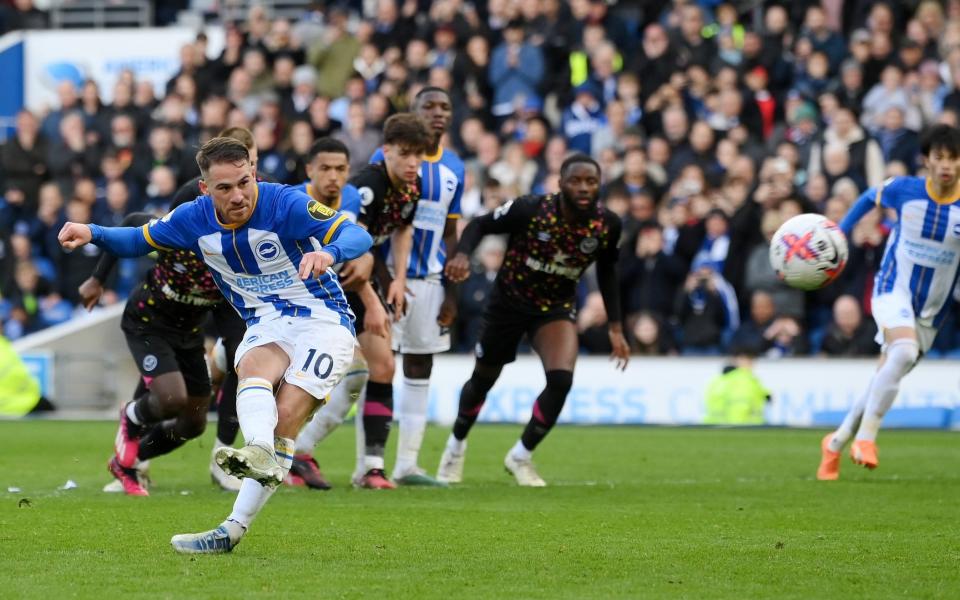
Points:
(359, 311)
(504, 327)
(230, 327)
(159, 350)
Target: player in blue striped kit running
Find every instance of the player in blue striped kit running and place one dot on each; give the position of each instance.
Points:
(913, 290)
(270, 249)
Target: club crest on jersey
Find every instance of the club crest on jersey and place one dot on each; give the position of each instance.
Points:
(956, 230)
(268, 249)
(407, 210)
(320, 211)
(149, 362)
(451, 185)
(366, 196)
(589, 245)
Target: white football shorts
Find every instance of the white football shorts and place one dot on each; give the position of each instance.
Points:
(417, 332)
(320, 352)
(895, 309)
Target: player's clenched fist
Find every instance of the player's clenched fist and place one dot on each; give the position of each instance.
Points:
(315, 263)
(74, 235)
(458, 268)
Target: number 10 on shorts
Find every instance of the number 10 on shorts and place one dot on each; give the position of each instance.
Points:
(322, 366)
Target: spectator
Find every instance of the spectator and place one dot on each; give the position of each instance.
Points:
(475, 291)
(706, 310)
(889, 92)
(111, 210)
(757, 332)
(649, 277)
(69, 101)
(514, 171)
(23, 165)
(333, 55)
(816, 29)
(692, 48)
(296, 157)
(161, 186)
(850, 334)
(361, 140)
(649, 336)
(71, 157)
(516, 70)
(897, 142)
(865, 158)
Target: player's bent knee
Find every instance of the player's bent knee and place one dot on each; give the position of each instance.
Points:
(383, 370)
(559, 381)
(903, 354)
(417, 366)
(192, 427)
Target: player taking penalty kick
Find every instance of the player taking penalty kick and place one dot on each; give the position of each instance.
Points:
(912, 291)
(270, 249)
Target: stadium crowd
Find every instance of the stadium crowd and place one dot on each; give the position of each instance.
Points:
(713, 122)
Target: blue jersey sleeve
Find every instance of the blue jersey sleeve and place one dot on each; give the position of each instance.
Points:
(126, 242)
(454, 212)
(377, 156)
(888, 194)
(179, 229)
(303, 217)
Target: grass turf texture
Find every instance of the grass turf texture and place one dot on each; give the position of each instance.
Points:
(631, 512)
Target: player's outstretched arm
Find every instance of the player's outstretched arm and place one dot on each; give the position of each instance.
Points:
(92, 289)
(509, 218)
(867, 201)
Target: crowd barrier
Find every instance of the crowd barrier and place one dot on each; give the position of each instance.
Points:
(85, 366)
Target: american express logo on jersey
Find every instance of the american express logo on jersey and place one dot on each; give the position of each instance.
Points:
(430, 215)
(269, 282)
(928, 254)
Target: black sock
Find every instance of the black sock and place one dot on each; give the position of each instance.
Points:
(472, 396)
(547, 407)
(377, 416)
(227, 423)
(161, 439)
(145, 409)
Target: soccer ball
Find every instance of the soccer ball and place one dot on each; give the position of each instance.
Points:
(808, 252)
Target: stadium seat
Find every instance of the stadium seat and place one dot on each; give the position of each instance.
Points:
(898, 418)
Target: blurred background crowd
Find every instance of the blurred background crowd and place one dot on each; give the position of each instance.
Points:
(713, 122)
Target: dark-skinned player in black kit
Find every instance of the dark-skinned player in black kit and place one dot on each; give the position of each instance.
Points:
(553, 239)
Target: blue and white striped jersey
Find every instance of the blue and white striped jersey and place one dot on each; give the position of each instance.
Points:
(255, 264)
(349, 203)
(441, 178)
(922, 255)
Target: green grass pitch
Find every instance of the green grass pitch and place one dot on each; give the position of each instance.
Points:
(630, 513)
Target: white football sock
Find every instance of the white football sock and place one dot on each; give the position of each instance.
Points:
(850, 422)
(256, 411)
(520, 452)
(132, 413)
(901, 355)
(456, 446)
(412, 414)
(361, 436)
(253, 495)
